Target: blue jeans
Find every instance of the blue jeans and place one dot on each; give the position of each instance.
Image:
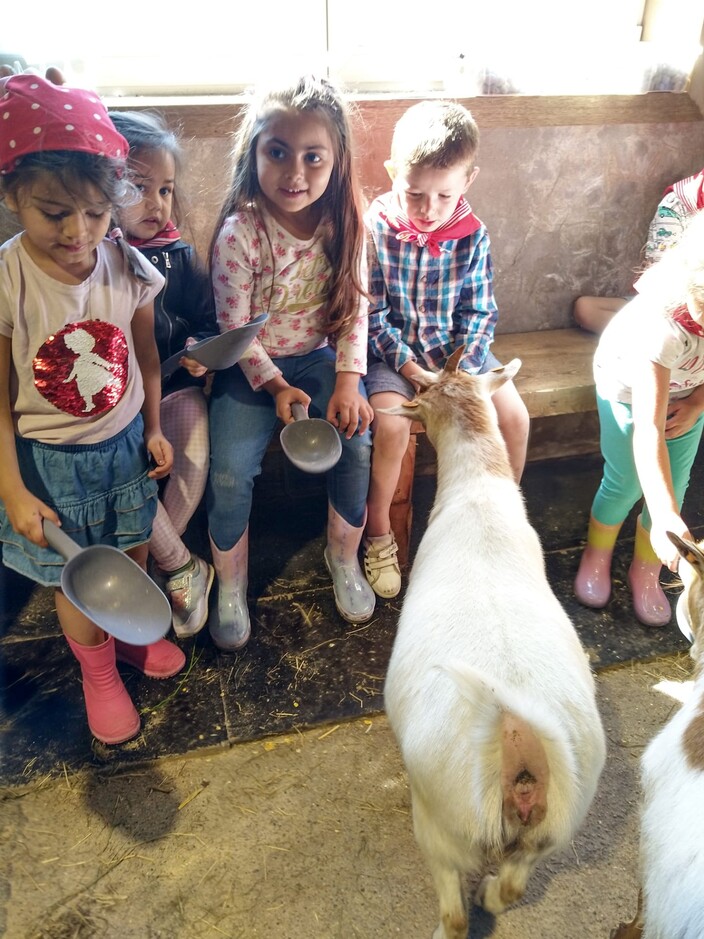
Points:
(620, 487)
(242, 423)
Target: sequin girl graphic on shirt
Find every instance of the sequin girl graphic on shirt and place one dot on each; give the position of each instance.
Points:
(83, 368)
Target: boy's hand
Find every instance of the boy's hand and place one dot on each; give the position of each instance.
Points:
(162, 453)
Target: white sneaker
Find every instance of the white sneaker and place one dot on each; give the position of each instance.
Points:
(188, 594)
(381, 565)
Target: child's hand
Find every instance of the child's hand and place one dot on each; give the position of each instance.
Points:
(682, 414)
(662, 546)
(162, 453)
(285, 398)
(348, 410)
(194, 368)
(26, 515)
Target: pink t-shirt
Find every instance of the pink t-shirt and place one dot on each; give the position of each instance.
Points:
(267, 270)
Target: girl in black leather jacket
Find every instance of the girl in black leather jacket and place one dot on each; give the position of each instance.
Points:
(183, 312)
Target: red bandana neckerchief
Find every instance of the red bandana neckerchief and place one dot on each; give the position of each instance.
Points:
(461, 223)
(689, 191)
(684, 318)
(166, 236)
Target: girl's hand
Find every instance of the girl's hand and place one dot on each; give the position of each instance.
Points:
(26, 514)
(348, 409)
(287, 396)
(162, 453)
(682, 414)
(662, 546)
(194, 368)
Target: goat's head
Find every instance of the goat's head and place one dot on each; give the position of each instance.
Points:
(690, 604)
(454, 396)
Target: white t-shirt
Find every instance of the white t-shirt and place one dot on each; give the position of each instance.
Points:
(74, 377)
(640, 332)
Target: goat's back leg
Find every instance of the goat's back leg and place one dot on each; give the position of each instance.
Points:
(447, 878)
(454, 922)
(498, 891)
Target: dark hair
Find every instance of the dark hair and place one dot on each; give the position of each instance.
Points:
(437, 134)
(148, 130)
(341, 202)
(74, 170)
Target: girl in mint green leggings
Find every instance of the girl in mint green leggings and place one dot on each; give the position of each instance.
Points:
(649, 372)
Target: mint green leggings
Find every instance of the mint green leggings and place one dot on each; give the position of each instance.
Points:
(620, 488)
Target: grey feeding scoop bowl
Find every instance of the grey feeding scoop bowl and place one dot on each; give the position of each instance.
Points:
(217, 352)
(310, 443)
(111, 590)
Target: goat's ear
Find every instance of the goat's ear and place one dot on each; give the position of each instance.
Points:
(407, 409)
(692, 553)
(499, 376)
(453, 363)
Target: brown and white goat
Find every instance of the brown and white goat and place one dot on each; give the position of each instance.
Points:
(672, 776)
(488, 690)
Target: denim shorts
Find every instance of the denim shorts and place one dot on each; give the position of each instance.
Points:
(101, 493)
(380, 377)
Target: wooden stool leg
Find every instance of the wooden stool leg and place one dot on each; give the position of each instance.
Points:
(402, 506)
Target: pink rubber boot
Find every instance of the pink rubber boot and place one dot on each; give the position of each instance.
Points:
(161, 659)
(650, 604)
(112, 717)
(592, 585)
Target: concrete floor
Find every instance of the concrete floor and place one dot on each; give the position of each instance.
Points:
(265, 796)
(298, 836)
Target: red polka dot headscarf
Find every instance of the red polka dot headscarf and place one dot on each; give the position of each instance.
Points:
(36, 115)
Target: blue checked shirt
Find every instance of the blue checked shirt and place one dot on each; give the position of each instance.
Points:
(423, 307)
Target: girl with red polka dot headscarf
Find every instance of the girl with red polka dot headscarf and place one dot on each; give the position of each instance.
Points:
(80, 381)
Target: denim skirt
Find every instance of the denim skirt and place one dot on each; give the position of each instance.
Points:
(100, 491)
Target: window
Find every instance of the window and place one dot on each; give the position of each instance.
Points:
(459, 47)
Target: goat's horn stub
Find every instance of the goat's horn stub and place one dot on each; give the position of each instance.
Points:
(453, 363)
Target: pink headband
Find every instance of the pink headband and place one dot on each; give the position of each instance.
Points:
(36, 115)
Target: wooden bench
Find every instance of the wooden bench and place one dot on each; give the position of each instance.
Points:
(555, 379)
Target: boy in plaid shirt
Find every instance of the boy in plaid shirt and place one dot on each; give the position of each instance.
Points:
(431, 290)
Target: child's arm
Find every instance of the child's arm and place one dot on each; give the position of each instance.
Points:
(650, 409)
(476, 311)
(385, 339)
(24, 510)
(148, 361)
(234, 284)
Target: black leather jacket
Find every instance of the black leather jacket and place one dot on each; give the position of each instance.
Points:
(184, 307)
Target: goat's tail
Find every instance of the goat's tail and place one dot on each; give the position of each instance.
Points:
(527, 768)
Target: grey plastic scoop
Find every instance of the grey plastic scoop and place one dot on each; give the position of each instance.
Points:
(110, 589)
(310, 443)
(217, 352)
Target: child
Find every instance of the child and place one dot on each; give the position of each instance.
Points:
(79, 371)
(679, 203)
(649, 371)
(183, 312)
(290, 242)
(431, 286)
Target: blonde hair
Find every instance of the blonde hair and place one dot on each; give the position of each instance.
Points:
(679, 274)
(436, 134)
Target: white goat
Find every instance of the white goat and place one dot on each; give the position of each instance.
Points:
(488, 690)
(672, 771)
